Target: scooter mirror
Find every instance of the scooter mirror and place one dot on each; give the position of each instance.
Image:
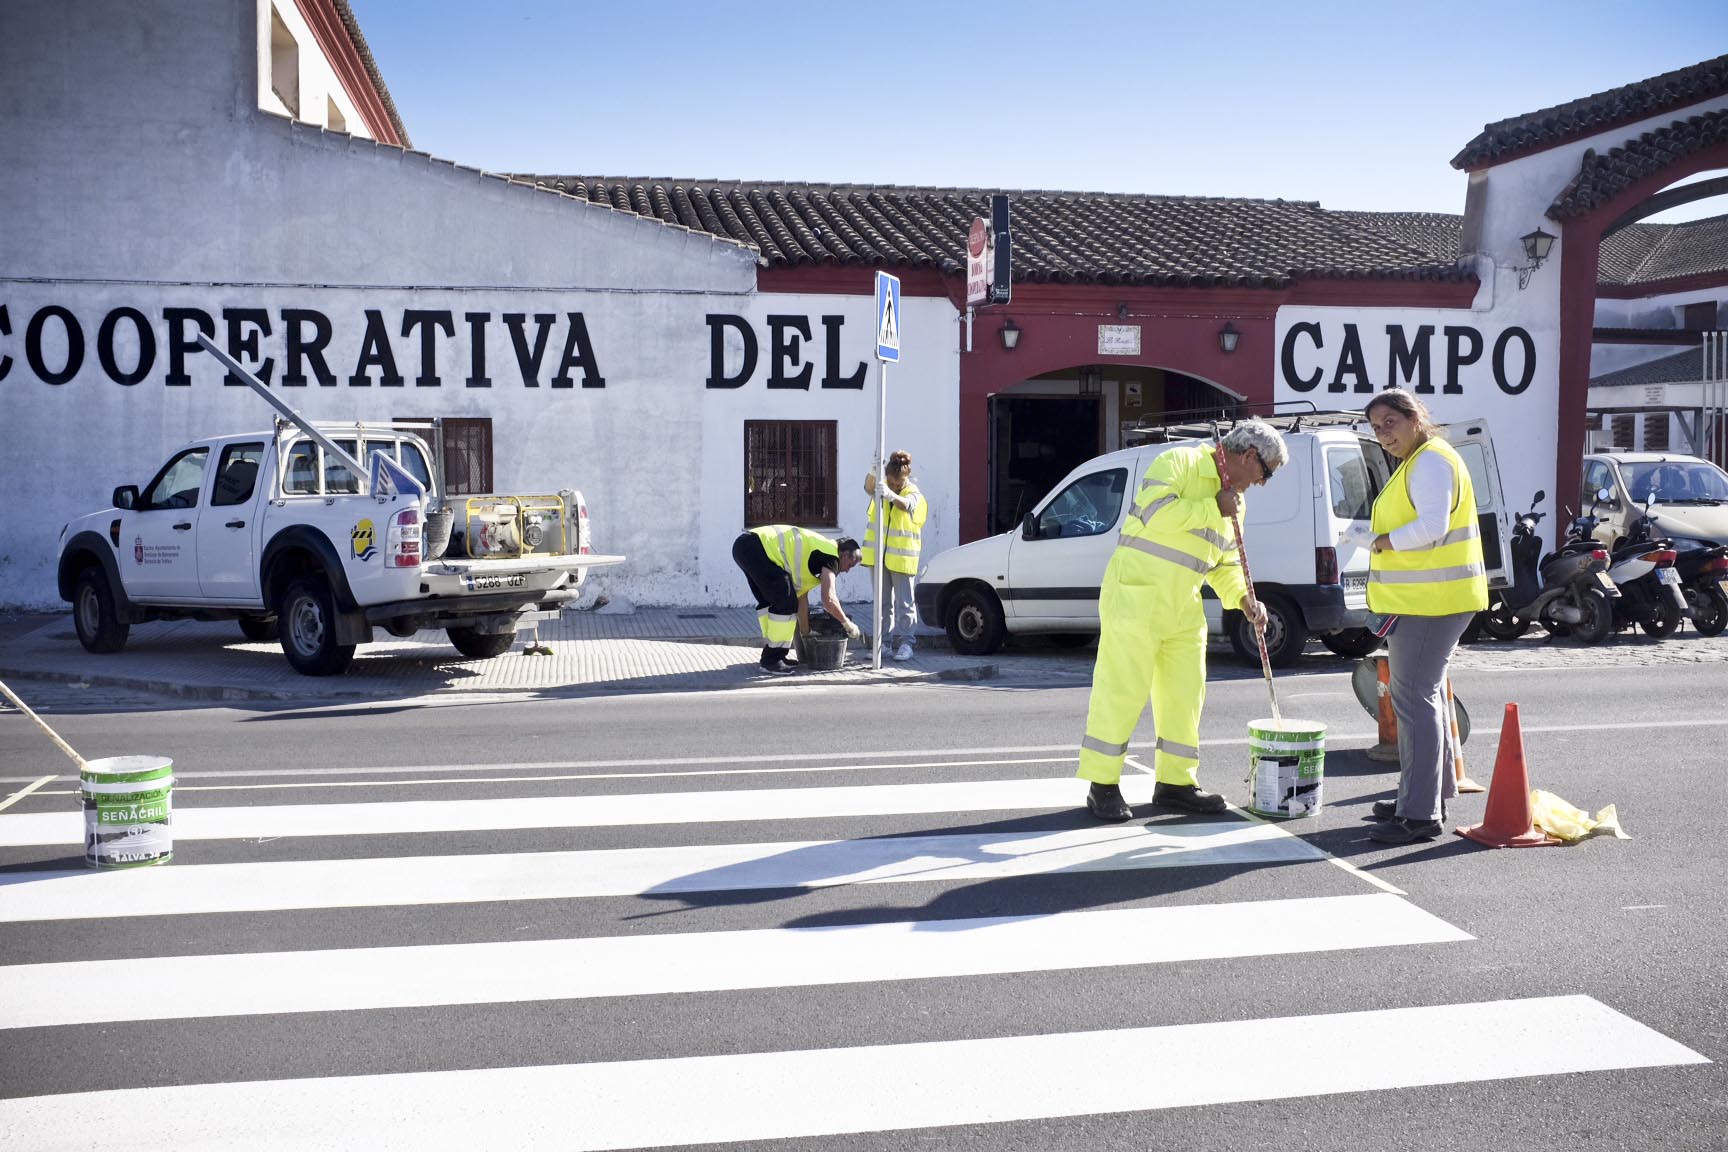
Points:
(1539, 497)
(1604, 495)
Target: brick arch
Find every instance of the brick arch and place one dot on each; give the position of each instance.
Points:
(1586, 219)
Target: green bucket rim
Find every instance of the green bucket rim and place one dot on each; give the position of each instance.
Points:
(127, 770)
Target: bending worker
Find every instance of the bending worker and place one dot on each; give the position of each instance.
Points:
(1426, 569)
(1153, 639)
(782, 564)
(907, 511)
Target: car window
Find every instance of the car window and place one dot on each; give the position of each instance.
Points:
(236, 474)
(179, 482)
(1596, 478)
(1349, 481)
(1477, 461)
(415, 462)
(1087, 507)
(300, 475)
(338, 480)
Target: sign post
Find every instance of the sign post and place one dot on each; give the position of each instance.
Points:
(887, 352)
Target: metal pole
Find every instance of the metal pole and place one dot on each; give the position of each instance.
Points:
(881, 573)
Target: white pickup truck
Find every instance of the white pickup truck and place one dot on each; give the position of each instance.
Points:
(288, 533)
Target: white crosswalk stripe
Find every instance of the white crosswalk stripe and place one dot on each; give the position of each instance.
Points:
(197, 966)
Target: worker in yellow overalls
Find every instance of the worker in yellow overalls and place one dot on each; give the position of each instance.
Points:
(907, 511)
(1153, 637)
(783, 564)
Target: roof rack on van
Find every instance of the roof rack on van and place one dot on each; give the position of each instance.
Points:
(1205, 423)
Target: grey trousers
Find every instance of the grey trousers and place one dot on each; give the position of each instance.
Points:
(899, 609)
(1417, 654)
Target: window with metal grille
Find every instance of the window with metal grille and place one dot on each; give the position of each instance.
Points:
(1625, 428)
(789, 473)
(467, 452)
(1656, 432)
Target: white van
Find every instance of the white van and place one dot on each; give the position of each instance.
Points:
(1043, 577)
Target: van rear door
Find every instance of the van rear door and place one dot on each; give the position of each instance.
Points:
(1355, 472)
(1476, 446)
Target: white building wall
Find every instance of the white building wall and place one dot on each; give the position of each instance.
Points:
(1649, 312)
(318, 85)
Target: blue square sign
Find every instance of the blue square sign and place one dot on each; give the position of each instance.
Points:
(887, 318)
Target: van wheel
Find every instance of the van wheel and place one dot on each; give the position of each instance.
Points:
(1286, 634)
(975, 624)
(259, 629)
(1354, 643)
(95, 615)
(480, 645)
(306, 615)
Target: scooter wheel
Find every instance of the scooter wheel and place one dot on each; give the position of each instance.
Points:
(1499, 622)
(1710, 611)
(1598, 622)
(1662, 622)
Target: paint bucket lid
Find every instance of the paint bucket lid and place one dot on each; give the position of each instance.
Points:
(1288, 727)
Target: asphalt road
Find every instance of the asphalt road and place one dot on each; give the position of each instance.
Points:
(663, 919)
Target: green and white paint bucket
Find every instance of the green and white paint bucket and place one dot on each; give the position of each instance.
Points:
(1286, 767)
(128, 803)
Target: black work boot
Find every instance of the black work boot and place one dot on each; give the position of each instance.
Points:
(1405, 831)
(1189, 798)
(1105, 802)
(1388, 809)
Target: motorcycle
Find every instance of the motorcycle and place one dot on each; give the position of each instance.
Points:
(1702, 566)
(1567, 590)
(1642, 567)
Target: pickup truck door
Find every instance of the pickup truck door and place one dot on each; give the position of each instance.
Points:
(158, 541)
(227, 532)
(1056, 573)
(1475, 445)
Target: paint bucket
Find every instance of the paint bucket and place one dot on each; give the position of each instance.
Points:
(128, 802)
(1286, 767)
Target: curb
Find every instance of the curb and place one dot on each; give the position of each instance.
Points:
(181, 691)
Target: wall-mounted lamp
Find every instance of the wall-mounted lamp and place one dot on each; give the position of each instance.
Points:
(1010, 334)
(1227, 337)
(1537, 245)
(1092, 381)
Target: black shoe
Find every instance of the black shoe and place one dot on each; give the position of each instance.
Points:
(1105, 802)
(1388, 809)
(1188, 797)
(1405, 831)
(779, 667)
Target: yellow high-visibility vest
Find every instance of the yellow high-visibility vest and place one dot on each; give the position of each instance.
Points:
(1444, 579)
(1175, 535)
(904, 532)
(791, 548)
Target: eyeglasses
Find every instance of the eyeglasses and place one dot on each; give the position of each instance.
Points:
(1265, 472)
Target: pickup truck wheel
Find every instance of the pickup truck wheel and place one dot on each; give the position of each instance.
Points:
(259, 629)
(480, 645)
(1352, 642)
(1286, 634)
(974, 622)
(95, 615)
(306, 616)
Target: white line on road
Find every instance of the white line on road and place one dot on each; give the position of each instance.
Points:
(417, 880)
(385, 817)
(517, 971)
(830, 1091)
(23, 792)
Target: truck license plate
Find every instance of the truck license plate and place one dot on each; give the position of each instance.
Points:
(492, 583)
(1668, 576)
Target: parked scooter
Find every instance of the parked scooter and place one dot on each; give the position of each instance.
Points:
(1567, 591)
(1703, 570)
(1642, 567)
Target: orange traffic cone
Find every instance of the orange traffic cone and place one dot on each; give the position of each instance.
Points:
(1509, 822)
(1386, 748)
(1465, 784)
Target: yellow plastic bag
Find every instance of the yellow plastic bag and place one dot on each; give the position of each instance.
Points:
(1558, 818)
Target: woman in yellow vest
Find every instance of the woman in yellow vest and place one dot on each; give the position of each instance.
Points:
(907, 511)
(782, 564)
(1426, 569)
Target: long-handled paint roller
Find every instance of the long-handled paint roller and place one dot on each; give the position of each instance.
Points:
(83, 765)
(1247, 579)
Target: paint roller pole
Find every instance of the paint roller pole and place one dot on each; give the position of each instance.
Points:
(43, 724)
(879, 576)
(1247, 580)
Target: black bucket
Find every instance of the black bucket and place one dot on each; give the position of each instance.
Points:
(820, 653)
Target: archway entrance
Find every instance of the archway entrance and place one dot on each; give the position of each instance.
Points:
(1041, 428)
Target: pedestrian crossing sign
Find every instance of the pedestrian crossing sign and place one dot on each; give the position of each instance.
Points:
(887, 318)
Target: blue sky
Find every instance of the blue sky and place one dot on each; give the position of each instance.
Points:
(1356, 105)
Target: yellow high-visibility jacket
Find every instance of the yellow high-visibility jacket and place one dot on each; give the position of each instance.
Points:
(904, 532)
(791, 548)
(1175, 536)
(1447, 577)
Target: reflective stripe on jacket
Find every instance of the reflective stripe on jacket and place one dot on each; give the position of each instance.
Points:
(1174, 533)
(904, 527)
(1443, 579)
(791, 548)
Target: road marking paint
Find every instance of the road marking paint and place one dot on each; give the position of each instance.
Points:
(504, 876)
(357, 979)
(624, 1104)
(385, 817)
(23, 792)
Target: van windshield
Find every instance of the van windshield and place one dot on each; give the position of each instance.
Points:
(1676, 482)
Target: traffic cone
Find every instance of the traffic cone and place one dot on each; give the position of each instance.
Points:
(1386, 750)
(1509, 822)
(1464, 783)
